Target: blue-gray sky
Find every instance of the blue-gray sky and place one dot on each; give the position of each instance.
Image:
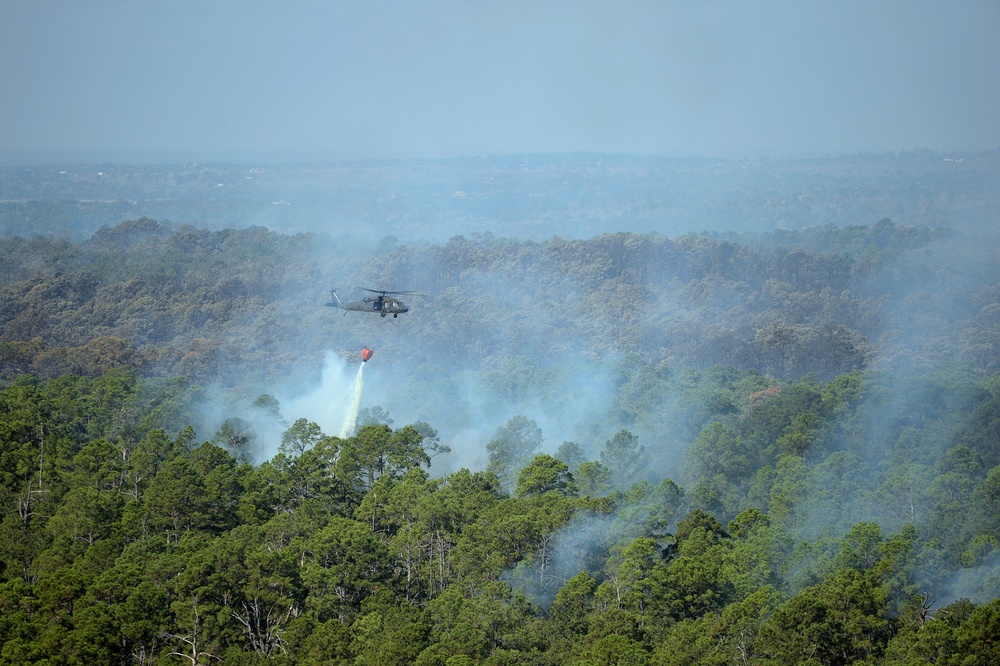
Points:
(225, 79)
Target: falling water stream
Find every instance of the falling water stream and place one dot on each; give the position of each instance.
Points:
(352, 411)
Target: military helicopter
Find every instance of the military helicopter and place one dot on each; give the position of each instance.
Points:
(383, 304)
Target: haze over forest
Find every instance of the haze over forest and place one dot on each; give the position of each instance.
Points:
(815, 379)
(532, 197)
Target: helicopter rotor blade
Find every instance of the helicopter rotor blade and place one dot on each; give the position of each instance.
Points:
(386, 292)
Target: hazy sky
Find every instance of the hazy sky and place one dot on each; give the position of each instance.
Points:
(223, 79)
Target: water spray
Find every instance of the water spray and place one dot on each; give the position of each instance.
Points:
(352, 411)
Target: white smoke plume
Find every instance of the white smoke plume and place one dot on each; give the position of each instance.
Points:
(327, 404)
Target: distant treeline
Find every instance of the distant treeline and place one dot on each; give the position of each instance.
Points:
(219, 305)
(528, 196)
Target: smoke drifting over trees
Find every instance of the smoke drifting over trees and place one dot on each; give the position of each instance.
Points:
(571, 448)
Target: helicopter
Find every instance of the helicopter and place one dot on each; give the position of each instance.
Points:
(383, 304)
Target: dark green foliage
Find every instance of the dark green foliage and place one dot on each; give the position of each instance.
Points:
(347, 551)
(624, 457)
(512, 447)
(542, 475)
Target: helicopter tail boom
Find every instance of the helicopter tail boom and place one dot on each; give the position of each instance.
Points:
(336, 302)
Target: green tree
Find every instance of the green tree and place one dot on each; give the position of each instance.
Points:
(593, 479)
(691, 641)
(85, 515)
(430, 440)
(543, 474)
(265, 591)
(645, 510)
(269, 405)
(389, 633)
(325, 475)
(174, 502)
(958, 472)
(452, 634)
(625, 457)
(613, 649)
(376, 451)
(372, 416)
(344, 562)
(142, 619)
(238, 438)
(572, 454)
(717, 451)
(193, 493)
(756, 553)
(840, 621)
(633, 574)
(300, 437)
(512, 447)
(568, 617)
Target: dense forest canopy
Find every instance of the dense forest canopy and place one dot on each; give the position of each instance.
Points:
(772, 447)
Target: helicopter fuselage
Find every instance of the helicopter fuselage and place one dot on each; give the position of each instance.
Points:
(384, 305)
